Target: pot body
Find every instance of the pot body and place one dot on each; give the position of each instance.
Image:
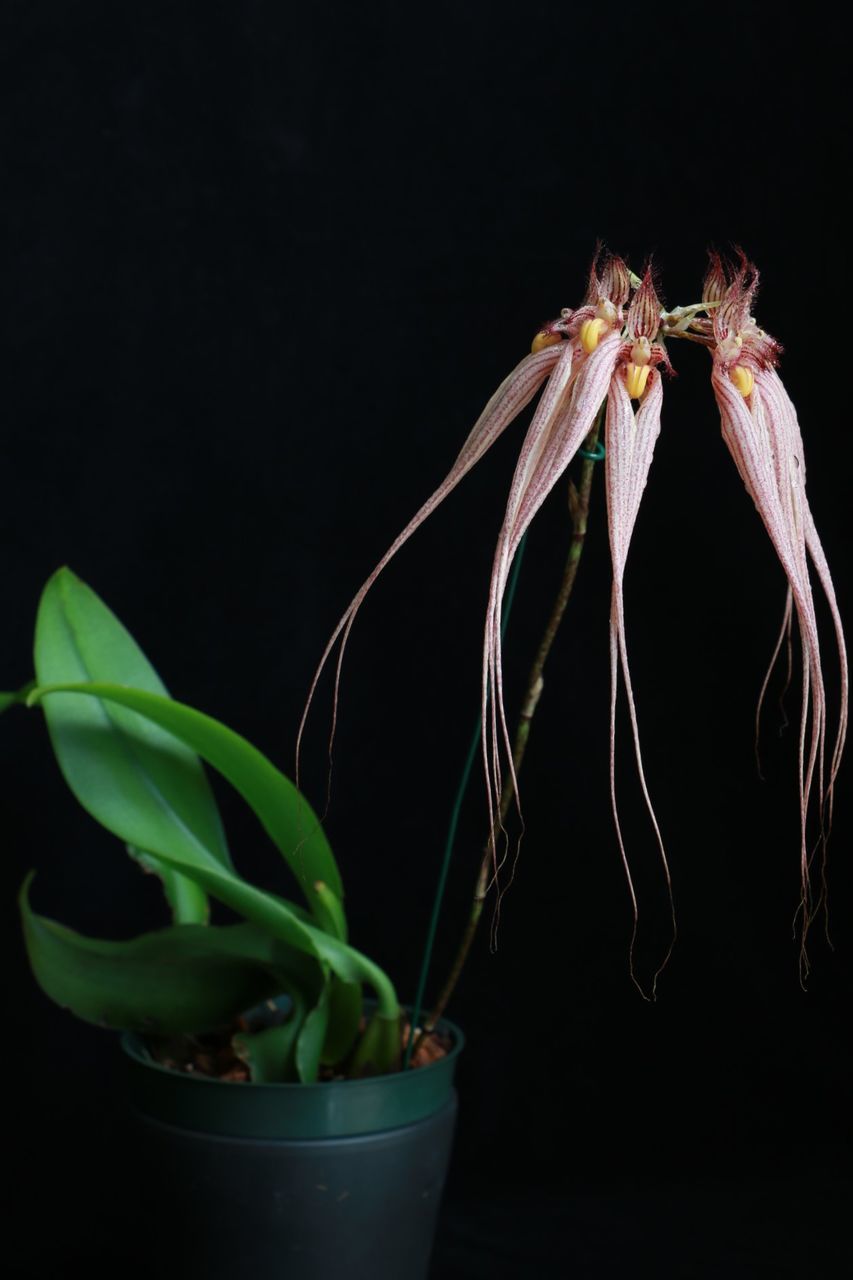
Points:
(337, 1181)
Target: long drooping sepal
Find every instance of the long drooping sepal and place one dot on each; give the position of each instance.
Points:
(765, 443)
(784, 422)
(819, 560)
(563, 419)
(784, 638)
(631, 438)
(511, 397)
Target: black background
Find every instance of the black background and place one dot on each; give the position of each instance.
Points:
(264, 265)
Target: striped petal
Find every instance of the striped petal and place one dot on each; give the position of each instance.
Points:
(561, 424)
(764, 440)
(786, 415)
(631, 438)
(511, 397)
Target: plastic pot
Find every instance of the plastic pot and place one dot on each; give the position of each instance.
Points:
(334, 1181)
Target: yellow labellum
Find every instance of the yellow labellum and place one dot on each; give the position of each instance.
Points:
(744, 379)
(636, 377)
(544, 339)
(591, 331)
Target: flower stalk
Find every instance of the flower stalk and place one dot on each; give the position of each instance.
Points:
(578, 500)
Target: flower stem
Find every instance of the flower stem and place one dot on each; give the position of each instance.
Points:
(579, 496)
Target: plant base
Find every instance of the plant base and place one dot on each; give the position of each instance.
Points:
(334, 1181)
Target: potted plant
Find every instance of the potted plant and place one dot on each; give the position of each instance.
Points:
(314, 1129)
(268, 1089)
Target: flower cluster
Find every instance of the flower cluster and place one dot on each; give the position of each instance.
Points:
(606, 358)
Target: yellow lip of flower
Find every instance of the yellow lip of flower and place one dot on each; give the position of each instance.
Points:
(744, 379)
(590, 333)
(544, 339)
(636, 377)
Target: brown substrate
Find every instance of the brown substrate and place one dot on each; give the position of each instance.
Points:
(212, 1054)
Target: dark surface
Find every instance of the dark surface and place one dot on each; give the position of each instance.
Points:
(710, 1231)
(264, 265)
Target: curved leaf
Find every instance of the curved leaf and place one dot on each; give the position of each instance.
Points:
(285, 815)
(287, 1047)
(312, 1037)
(186, 978)
(271, 913)
(119, 767)
(345, 1009)
(280, 919)
(330, 910)
(270, 1054)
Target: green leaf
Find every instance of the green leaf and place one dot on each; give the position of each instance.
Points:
(125, 771)
(345, 1009)
(6, 700)
(186, 978)
(288, 1049)
(188, 902)
(312, 1036)
(270, 1054)
(379, 1050)
(330, 910)
(192, 859)
(286, 815)
(280, 919)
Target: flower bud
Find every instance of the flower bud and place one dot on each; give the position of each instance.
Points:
(615, 281)
(714, 288)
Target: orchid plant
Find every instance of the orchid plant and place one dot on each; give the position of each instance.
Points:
(133, 756)
(603, 363)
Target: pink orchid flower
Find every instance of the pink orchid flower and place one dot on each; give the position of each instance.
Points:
(603, 356)
(610, 359)
(760, 428)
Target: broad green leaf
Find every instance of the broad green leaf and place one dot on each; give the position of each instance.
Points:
(188, 902)
(284, 813)
(122, 769)
(186, 978)
(271, 913)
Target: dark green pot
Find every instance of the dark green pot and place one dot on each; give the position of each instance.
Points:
(338, 1181)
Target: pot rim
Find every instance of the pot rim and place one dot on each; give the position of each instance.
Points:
(134, 1047)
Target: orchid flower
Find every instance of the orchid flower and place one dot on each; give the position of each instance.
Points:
(760, 428)
(602, 356)
(605, 359)
(611, 357)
